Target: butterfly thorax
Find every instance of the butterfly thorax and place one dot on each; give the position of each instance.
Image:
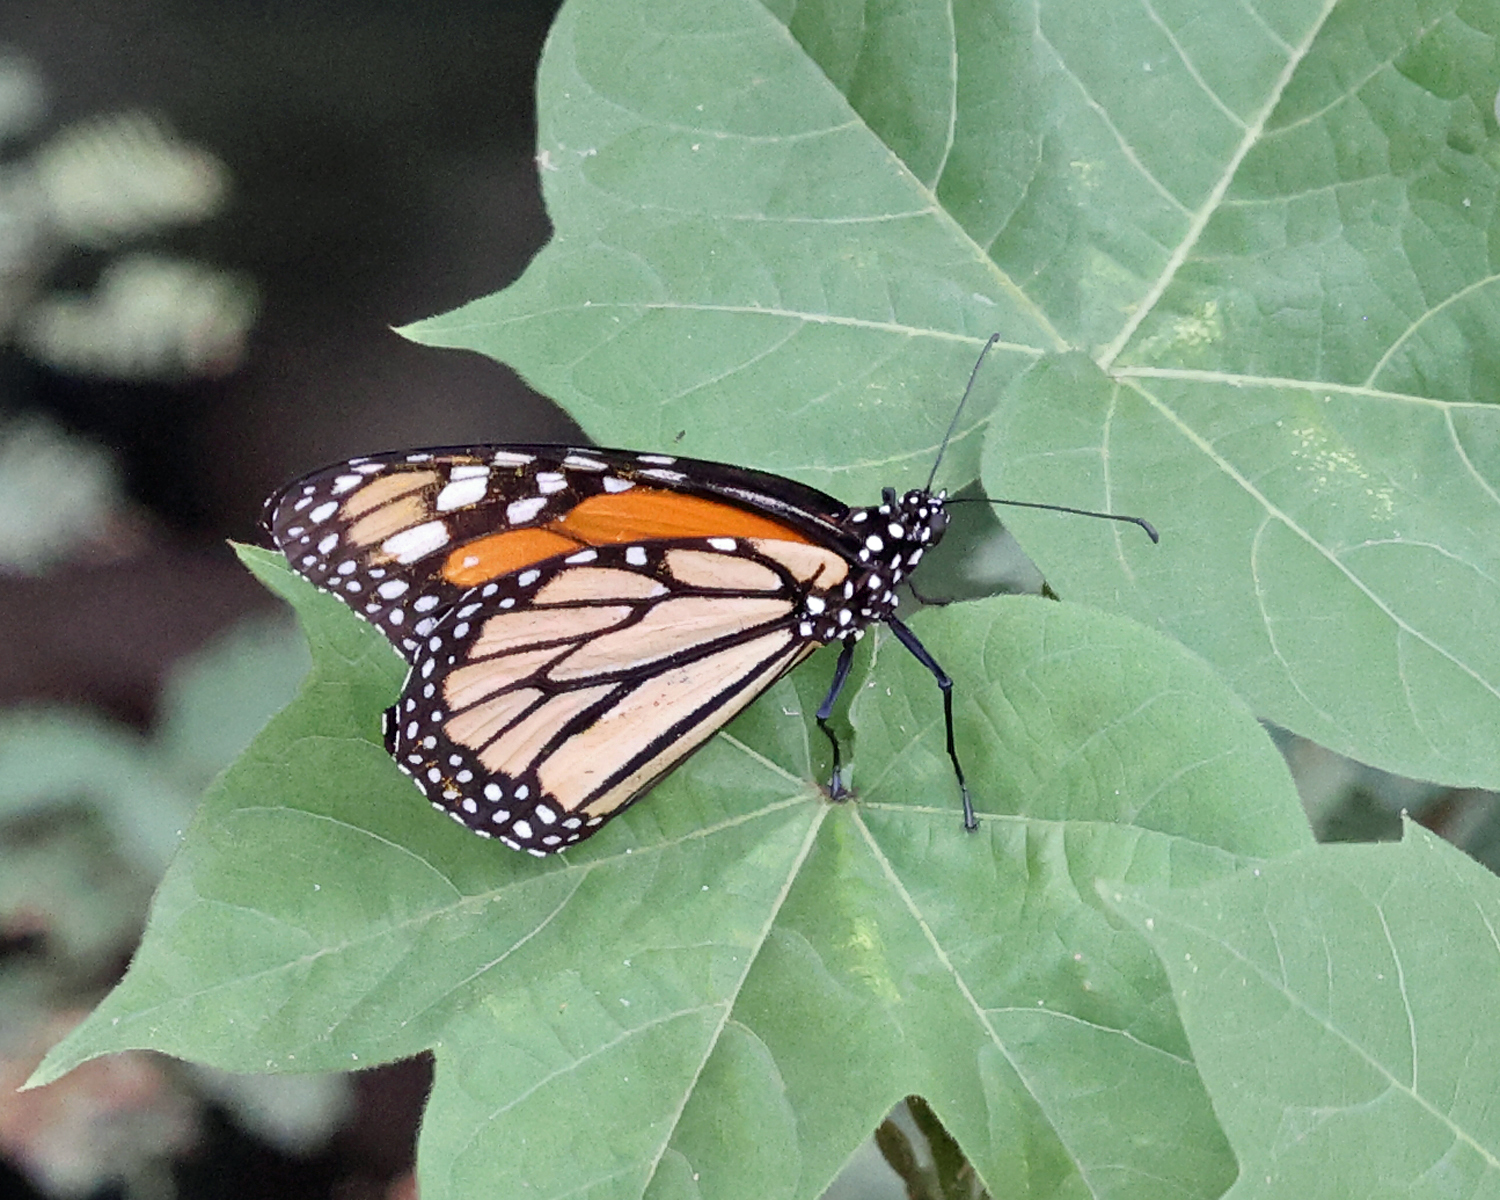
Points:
(891, 538)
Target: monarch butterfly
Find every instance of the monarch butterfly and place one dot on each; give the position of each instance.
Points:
(578, 621)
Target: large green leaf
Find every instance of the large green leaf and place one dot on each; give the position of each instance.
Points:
(1266, 230)
(1342, 1008)
(727, 987)
(783, 232)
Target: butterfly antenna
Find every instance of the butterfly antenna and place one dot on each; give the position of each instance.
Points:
(958, 412)
(1063, 508)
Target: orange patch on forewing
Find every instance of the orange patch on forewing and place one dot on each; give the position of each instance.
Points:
(643, 514)
(375, 527)
(500, 554)
(384, 488)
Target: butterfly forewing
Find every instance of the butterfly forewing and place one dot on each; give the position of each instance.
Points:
(403, 537)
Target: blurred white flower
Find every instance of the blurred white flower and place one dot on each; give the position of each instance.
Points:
(56, 493)
(123, 174)
(149, 318)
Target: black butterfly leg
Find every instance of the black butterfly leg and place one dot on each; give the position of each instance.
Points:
(908, 639)
(836, 789)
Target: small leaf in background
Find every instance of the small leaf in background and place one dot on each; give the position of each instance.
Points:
(1341, 1005)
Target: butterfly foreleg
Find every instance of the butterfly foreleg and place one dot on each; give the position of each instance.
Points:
(836, 789)
(908, 639)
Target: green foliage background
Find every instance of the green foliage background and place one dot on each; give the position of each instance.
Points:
(1241, 258)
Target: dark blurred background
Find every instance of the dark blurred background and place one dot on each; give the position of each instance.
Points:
(377, 162)
(380, 169)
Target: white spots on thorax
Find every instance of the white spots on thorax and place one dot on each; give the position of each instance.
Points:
(511, 458)
(613, 484)
(582, 462)
(550, 482)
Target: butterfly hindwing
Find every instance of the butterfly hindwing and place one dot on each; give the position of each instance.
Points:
(547, 700)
